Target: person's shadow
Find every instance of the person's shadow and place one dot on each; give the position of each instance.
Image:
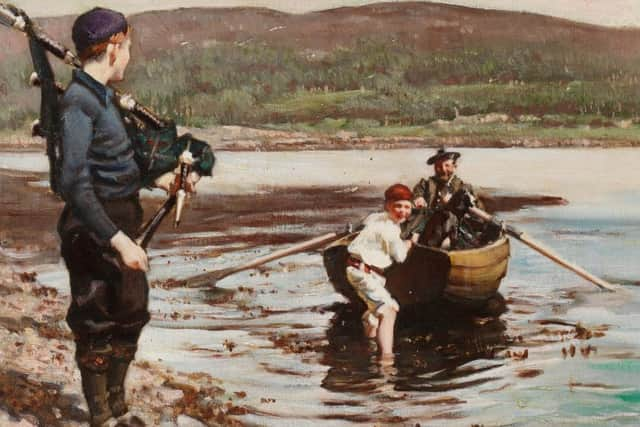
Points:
(432, 346)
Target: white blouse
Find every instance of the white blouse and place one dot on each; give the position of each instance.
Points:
(379, 243)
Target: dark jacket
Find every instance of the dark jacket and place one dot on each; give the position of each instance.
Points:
(98, 162)
(432, 188)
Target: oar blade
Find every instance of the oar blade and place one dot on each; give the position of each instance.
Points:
(208, 279)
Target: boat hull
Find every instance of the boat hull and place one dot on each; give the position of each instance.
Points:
(470, 276)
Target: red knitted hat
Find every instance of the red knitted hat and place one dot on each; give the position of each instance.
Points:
(397, 192)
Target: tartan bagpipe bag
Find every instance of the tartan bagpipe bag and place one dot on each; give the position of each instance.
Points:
(158, 149)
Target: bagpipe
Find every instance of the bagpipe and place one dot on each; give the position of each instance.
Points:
(157, 146)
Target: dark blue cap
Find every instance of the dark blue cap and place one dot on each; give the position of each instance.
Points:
(97, 26)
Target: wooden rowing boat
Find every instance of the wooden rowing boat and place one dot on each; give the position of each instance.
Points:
(470, 276)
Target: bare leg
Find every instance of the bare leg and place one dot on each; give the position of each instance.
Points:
(370, 324)
(385, 331)
(370, 331)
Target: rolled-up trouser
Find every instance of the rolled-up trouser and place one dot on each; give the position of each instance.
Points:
(109, 301)
(370, 288)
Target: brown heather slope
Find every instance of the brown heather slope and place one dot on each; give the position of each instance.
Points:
(417, 25)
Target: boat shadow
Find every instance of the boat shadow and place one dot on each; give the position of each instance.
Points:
(438, 348)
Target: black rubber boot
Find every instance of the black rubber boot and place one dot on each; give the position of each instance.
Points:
(117, 373)
(94, 387)
(93, 357)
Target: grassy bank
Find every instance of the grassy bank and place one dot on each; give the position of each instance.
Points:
(498, 127)
(375, 88)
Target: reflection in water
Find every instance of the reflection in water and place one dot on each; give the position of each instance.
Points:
(434, 348)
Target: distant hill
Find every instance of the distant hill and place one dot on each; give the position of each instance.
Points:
(421, 26)
(387, 69)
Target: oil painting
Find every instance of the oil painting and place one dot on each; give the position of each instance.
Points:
(321, 213)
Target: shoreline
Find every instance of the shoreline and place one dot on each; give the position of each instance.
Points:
(35, 394)
(238, 139)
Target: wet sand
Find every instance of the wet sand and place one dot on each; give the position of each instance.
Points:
(30, 212)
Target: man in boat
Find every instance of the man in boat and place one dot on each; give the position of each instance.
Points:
(442, 200)
(375, 248)
(435, 191)
(100, 181)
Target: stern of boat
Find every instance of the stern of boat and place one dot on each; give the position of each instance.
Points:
(475, 274)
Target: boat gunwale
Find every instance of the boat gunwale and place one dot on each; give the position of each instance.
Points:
(501, 241)
(457, 252)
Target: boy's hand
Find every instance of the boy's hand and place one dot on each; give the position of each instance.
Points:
(192, 180)
(412, 241)
(420, 202)
(133, 256)
(164, 181)
(167, 180)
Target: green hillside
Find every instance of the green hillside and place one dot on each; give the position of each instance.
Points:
(376, 85)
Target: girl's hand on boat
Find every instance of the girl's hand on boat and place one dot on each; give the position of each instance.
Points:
(412, 241)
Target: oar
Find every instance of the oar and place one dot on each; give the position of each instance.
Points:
(211, 277)
(539, 247)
